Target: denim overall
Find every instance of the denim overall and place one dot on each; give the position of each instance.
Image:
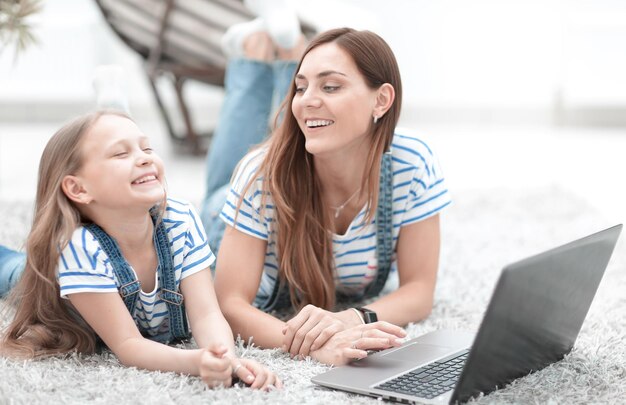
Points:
(280, 297)
(130, 286)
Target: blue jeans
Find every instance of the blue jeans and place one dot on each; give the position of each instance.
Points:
(12, 265)
(253, 90)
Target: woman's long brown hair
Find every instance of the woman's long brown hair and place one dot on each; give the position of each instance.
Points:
(44, 323)
(304, 242)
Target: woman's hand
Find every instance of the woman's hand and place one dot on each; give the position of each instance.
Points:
(218, 368)
(353, 343)
(310, 330)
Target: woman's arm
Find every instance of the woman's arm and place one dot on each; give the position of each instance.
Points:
(238, 274)
(239, 268)
(418, 260)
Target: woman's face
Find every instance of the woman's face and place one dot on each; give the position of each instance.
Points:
(333, 105)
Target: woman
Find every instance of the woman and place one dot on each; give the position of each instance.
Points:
(317, 213)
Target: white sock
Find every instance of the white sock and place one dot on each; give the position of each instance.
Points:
(232, 41)
(280, 19)
(110, 86)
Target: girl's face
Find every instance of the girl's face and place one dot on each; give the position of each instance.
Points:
(333, 105)
(119, 169)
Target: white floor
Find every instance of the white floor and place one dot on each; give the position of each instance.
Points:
(587, 161)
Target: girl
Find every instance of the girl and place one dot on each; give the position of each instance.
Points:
(110, 256)
(317, 213)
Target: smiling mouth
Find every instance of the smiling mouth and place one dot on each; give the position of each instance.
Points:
(318, 123)
(145, 179)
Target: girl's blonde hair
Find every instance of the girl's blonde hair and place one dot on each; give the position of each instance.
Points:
(304, 241)
(45, 324)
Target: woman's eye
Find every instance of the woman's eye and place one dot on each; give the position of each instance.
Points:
(300, 90)
(330, 89)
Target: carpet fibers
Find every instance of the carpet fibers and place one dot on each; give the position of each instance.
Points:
(483, 231)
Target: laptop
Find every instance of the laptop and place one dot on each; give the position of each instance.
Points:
(535, 314)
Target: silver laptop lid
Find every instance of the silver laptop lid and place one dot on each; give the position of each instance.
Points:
(536, 312)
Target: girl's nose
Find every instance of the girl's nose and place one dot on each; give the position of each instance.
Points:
(145, 158)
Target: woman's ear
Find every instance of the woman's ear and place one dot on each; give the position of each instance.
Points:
(74, 190)
(385, 96)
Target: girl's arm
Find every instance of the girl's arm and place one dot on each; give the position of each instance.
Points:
(210, 329)
(108, 317)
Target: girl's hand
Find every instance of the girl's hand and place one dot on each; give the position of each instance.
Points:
(310, 330)
(255, 375)
(215, 367)
(353, 343)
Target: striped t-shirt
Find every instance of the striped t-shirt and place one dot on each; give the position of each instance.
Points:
(84, 267)
(419, 191)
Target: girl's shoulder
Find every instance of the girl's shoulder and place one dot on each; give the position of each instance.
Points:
(179, 210)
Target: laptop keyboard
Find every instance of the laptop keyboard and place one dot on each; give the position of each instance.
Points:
(429, 381)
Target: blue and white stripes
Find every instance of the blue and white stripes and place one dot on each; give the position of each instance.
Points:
(419, 191)
(84, 267)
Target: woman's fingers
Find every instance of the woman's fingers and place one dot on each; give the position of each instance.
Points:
(293, 325)
(311, 326)
(375, 343)
(351, 353)
(323, 337)
(385, 327)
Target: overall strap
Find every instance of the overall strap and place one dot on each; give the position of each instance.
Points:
(129, 285)
(280, 297)
(384, 227)
(179, 328)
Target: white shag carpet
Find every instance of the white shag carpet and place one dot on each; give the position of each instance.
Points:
(482, 232)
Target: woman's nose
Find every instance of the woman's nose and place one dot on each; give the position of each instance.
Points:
(310, 98)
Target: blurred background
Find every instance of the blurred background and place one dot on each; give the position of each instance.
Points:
(511, 94)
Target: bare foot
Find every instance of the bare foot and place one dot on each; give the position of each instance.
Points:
(259, 46)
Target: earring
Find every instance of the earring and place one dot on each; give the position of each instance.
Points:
(375, 119)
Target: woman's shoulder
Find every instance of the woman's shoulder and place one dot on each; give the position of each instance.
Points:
(248, 166)
(409, 149)
(407, 141)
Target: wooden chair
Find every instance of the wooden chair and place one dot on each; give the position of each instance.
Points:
(178, 40)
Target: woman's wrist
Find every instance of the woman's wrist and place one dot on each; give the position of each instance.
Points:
(350, 317)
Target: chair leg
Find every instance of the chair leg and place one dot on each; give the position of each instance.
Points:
(164, 114)
(191, 137)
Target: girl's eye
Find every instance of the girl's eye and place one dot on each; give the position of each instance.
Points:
(120, 154)
(147, 150)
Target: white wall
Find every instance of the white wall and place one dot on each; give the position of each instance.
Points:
(499, 59)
